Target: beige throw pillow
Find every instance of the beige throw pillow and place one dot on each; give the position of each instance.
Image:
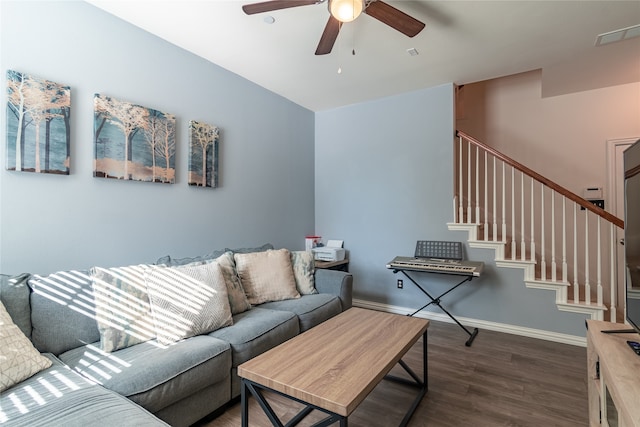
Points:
(19, 359)
(188, 300)
(266, 276)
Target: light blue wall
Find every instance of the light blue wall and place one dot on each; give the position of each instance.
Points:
(384, 179)
(50, 223)
(381, 172)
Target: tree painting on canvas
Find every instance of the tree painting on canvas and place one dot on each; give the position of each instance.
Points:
(38, 128)
(203, 154)
(132, 142)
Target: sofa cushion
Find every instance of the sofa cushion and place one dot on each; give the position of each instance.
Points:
(19, 360)
(256, 331)
(123, 311)
(71, 401)
(266, 276)
(62, 311)
(14, 294)
(155, 376)
(188, 300)
(304, 267)
(310, 309)
(237, 298)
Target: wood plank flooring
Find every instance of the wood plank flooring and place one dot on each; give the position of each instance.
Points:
(502, 380)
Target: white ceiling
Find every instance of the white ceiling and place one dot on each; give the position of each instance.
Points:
(463, 42)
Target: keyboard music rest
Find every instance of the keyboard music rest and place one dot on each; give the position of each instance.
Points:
(466, 269)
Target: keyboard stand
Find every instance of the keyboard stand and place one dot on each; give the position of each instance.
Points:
(436, 300)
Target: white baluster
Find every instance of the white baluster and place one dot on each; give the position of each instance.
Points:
(455, 197)
(460, 181)
(469, 218)
(554, 266)
(576, 281)
(495, 198)
(564, 240)
(513, 213)
(587, 285)
(486, 200)
(614, 283)
(543, 261)
(477, 221)
(523, 247)
(599, 265)
(533, 240)
(504, 204)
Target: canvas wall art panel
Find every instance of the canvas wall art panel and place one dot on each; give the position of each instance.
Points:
(203, 154)
(38, 127)
(133, 143)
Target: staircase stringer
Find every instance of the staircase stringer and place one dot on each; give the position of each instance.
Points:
(560, 288)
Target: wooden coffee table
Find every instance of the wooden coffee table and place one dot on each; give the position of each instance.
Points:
(335, 365)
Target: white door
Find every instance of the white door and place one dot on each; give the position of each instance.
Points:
(616, 199)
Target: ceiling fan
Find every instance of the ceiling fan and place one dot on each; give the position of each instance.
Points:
(345, 11)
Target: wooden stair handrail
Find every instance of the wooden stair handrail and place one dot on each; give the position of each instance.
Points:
(556, 187)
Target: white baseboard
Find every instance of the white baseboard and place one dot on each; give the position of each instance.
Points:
(480, 324)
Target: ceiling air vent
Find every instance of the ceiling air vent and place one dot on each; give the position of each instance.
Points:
(618, 35)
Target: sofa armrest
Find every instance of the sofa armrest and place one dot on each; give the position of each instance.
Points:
(337, 283)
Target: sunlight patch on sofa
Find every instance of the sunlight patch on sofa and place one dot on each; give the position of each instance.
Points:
(69, 288)
(50, 387)
(17, 403)
(102, 375)
(65, 380)
(102, 361)
(35, 395)
(47, 386)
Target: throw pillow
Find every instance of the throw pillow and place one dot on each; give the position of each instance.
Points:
(123, 312)
(188, 300)
(265, 247)
(19, 359)
(303, 271)
(237, 298)
(169, 261)
(266, 276)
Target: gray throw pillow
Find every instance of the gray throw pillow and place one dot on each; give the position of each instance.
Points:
(172, 262)
(237, 298)
(265, 247)
(123, 312)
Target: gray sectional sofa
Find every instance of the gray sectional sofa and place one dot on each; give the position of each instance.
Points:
(144, 384)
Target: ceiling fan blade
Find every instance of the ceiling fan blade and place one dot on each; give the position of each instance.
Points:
(394, 18)
(329, 36)
(268, 6)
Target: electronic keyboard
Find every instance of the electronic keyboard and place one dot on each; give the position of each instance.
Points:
(433, 265)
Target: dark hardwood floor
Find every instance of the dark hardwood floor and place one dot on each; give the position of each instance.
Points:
(502, 380)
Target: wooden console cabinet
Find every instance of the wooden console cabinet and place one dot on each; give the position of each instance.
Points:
(613, 376)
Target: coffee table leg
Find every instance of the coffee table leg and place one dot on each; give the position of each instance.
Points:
(244, 404)
(425, 366)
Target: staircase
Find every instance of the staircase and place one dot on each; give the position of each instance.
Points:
(559, 240)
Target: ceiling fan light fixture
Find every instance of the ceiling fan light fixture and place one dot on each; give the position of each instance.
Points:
(346, 10)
